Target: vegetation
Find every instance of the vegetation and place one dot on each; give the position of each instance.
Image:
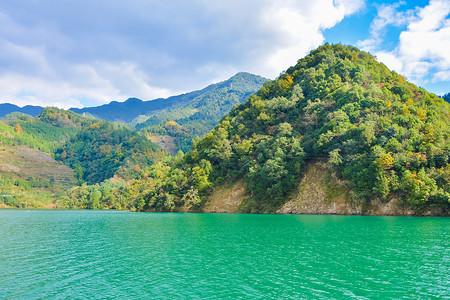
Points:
(104, 149)
(196, 117)
(387, 137)
(30, 178)
(95, 150)
(45, 132)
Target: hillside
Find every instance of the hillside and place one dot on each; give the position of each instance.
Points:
(181, 123)
(91, 150)
(31, 178)
(103, 149)
(384, 138)
(7, 108)
(127, 111)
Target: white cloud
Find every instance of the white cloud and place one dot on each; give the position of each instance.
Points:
(96, 84)
(92, 52)
(422, 53)
(300, 24)
(388, 15)
(442, 76)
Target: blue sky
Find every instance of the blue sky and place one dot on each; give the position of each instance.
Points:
(87, 53)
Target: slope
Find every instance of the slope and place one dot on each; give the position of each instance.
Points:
(198, 116)
(103, 149)
(385, 137)
(94, 150)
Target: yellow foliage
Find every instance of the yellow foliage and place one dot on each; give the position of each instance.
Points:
(389, 104)
(409, 101)
(95, 126)
(429, 134)
(286, 83)
(406, 111)
(422, 114)
(386, 161)
(172, 123)
(19, 129)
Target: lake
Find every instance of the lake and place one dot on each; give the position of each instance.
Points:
(113, 254)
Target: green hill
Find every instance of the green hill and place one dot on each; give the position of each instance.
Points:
(91, 150)
(29, 176)
(196, 117)
(383, 137)
(103, 149)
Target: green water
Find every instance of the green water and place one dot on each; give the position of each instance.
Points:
(107, 254)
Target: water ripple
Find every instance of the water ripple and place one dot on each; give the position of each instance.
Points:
(98, 254)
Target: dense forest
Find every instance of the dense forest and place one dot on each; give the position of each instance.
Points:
(103, 149)
(95, 151)
(383, 135)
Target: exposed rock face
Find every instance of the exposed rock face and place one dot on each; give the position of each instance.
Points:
(226, 199)
(320, 192)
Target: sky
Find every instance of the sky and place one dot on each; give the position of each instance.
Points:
(90, 52)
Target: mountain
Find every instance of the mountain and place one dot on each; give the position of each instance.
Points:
(29, 175)
(127, 111)
(7, 108)
(104, 150)
(43, 157)
(446, 97)
(338, 129)
(177, 126)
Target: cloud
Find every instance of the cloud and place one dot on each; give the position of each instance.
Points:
(422, 52)
(92, 52)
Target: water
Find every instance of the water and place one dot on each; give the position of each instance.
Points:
(107, 254)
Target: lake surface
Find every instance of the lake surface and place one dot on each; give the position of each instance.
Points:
(108, 254)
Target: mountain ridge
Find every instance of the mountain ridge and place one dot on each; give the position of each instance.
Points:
(131, 108)
(7, 108)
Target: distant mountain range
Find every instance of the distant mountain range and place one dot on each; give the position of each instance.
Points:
(242, 83)
(447, 97)
(7, 108)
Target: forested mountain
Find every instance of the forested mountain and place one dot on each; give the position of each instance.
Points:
(29, 176)
(241, 85)
(45, 132)
(105, 149)
(198, 116)
(385, 137)
(7, 108)
(94, 150)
